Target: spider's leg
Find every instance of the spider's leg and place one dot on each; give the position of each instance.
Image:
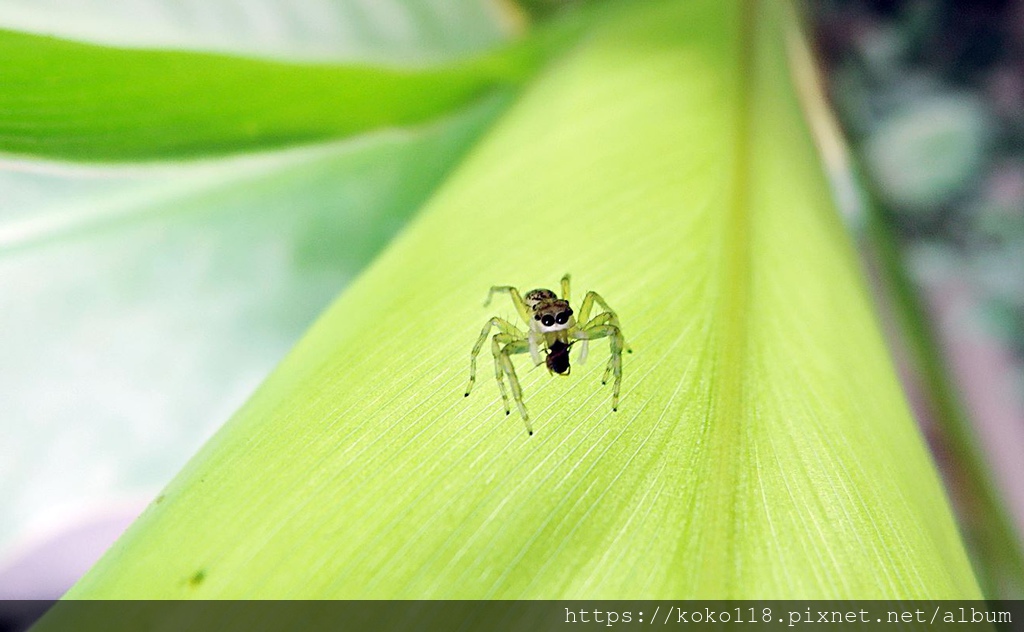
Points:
(588, 304)
(521, 307)
(584, 315)
(608, 369)
(496, 342)
(512, 348)
(534, 340)
(601, 319)
(506, 328)
(565, 287)
(614, 334)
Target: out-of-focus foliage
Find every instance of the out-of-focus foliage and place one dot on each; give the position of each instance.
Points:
(932, 95)
(400, 32)
(112, 104)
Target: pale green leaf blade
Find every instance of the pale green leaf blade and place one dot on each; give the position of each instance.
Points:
(762, 447)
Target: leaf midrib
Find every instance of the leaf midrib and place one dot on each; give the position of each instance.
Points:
(728, 414)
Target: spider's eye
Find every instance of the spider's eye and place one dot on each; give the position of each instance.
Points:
(537, 317)
(562, 318)
(547, 320)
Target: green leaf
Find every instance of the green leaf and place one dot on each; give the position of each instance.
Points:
(108, 104)
(762, 447)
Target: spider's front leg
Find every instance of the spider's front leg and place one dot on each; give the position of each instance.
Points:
(517, 300)
(617, 343)
(505, 328)
(524, 312)
(607, 317)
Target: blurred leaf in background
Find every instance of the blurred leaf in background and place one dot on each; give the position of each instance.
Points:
(402, 32)
(140, 305)
(932, 95)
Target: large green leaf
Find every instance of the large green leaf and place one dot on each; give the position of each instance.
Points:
(402, 31)
(762, 447)
(77, 101)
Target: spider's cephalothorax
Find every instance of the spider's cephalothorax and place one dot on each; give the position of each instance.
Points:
(551, 326)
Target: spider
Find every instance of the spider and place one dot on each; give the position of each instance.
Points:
(551, 326)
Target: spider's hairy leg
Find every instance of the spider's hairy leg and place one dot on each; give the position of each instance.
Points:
(512, 348)
(584, 315)
(600, 319)
(521, 308)
(565, 287)
(504, 327)
(614, 334)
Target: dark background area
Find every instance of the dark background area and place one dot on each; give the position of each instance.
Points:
(930, 96)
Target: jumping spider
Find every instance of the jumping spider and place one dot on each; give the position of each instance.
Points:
(553, 329)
